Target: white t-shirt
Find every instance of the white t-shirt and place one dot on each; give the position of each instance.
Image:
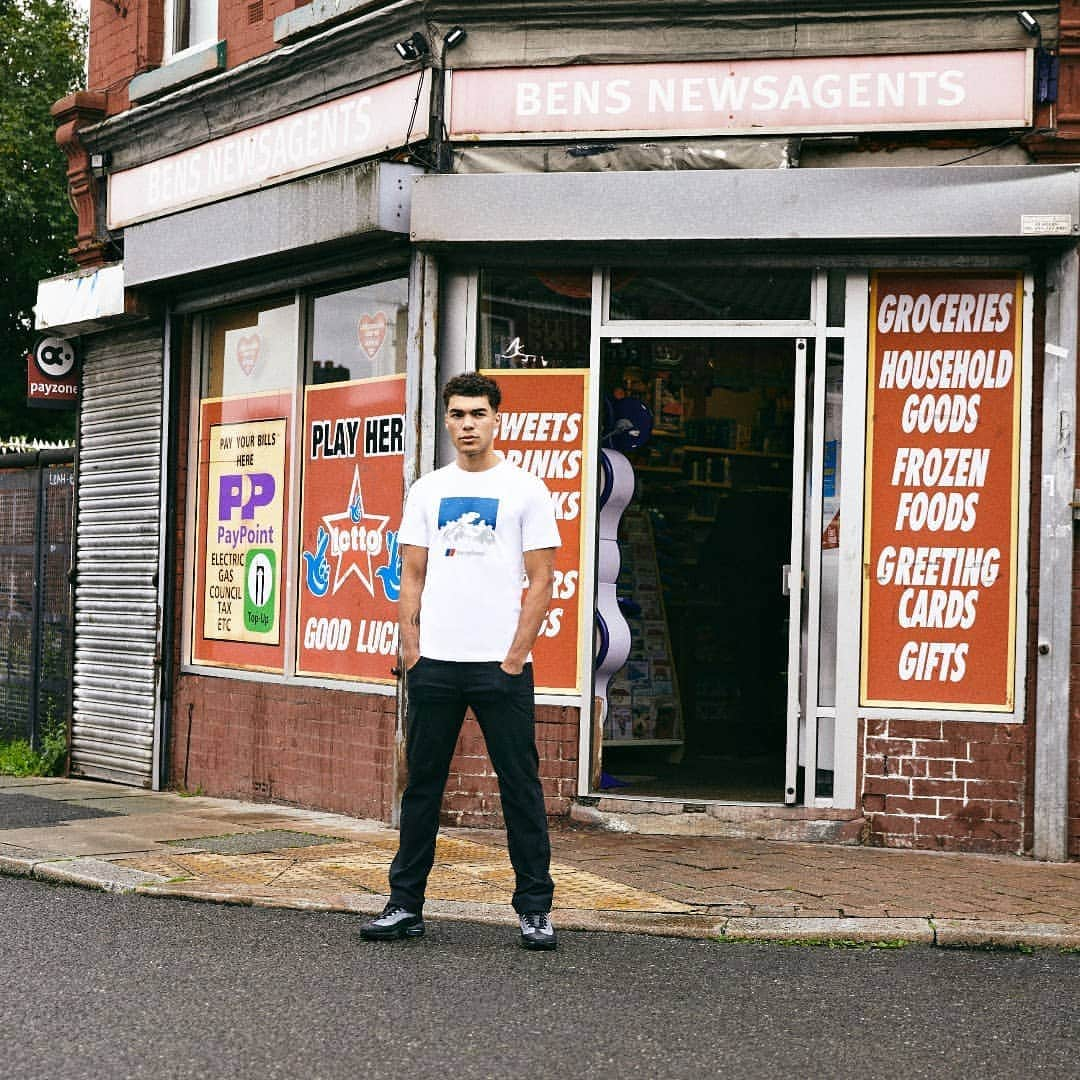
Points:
(475, 525)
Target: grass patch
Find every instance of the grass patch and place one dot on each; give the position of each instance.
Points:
(19, 758)
(821, 943)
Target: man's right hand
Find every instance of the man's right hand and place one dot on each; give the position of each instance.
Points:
(410, 658)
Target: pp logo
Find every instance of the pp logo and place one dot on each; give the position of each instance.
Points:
(54, 357)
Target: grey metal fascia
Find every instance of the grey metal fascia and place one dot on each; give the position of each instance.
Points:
(368, 199)
(872, 204)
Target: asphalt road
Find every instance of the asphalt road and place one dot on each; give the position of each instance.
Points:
(100, 986)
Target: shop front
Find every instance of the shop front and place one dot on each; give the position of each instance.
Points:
(806, 425)
(809, 432)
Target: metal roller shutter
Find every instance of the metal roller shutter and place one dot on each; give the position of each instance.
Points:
(118, 539)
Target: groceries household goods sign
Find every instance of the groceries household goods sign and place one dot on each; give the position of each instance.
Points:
(349, 128)
(942, 492)
(814, 94)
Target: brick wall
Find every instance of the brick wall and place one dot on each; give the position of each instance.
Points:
(123, 43)
(472, 794)
(271, 742)
(131, 40)
(952, 785)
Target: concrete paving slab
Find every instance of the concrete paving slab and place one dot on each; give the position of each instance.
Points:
(18, 809)
(60, 788)
(28, 781)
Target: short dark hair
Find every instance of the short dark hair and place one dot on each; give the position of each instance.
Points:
(472, 384)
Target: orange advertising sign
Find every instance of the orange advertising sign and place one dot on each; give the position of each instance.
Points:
(542, 430)
(352, 489)
(241, 531)
(942, 491)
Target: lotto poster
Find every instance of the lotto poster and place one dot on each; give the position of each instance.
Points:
(352, 489)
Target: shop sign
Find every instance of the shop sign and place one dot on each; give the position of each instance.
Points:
(542, 430)
(942, 491)
(346, 129)
(815, 94)
(52, 381)
(243, 478)
(353, 487)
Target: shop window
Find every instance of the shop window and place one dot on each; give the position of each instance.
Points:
(535, 319)
(298, 490)
(702, 295)
(189, 23)
(360, 333)
(252, 350)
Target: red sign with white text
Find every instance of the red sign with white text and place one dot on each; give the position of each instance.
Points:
(942, 491)
(352, 488)
(542, 430)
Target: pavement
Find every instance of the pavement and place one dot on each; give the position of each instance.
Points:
(123, 839)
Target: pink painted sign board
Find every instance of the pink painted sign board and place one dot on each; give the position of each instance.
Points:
(822, 94)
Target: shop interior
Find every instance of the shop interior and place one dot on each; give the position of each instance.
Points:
(699, 710)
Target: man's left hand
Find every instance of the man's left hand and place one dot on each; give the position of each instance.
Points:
(512, 668)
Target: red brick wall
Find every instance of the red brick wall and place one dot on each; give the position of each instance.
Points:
(472, 794)
(129, 41)
(953, 785)
(123, 45)
(271, 742)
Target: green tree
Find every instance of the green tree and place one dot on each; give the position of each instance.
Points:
(42, 46)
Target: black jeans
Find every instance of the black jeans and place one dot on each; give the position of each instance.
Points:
(439, 693)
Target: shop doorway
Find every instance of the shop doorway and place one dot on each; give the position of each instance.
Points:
(708, 427)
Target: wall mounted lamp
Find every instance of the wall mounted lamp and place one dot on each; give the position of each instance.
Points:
(454, 37)
(1029, 23)
(413, 47)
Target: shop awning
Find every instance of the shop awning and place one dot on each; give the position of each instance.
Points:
(966, 203)
(279, 222)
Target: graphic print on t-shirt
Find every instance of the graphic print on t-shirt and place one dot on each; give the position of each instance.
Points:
(467, 525)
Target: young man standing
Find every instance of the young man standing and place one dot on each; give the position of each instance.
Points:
(473, 534)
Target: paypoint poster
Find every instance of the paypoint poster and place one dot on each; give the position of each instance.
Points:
(352, 489)
(243, 492)
(942, 495)
(542, 430)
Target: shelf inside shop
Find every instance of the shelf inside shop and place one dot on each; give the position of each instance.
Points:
(643, 742)
(723, 450)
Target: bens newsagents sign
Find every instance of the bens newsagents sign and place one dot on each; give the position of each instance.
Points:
(820, 94)
(344, 130)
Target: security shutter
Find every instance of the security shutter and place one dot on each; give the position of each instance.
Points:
(118, 538)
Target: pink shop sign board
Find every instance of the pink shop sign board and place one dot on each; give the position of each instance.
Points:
(347, 129)
(821, 94)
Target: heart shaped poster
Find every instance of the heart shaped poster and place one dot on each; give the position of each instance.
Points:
(372, 333)
(247, 352)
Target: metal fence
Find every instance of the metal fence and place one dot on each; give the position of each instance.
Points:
(36, 623)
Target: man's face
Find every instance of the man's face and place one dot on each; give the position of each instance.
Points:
(471, 422)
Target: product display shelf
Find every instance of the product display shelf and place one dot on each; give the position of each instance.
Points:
(644, 709)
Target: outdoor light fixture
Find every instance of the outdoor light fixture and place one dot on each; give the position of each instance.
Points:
(413, 47)
(454, 37)
(1029, 23)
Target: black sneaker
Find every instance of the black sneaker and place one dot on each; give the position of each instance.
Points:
(393, 924)
(536, 930)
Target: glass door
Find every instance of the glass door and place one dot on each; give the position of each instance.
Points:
(707, 438)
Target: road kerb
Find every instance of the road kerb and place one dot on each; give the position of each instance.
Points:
(94, 874)
(1005, 934)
